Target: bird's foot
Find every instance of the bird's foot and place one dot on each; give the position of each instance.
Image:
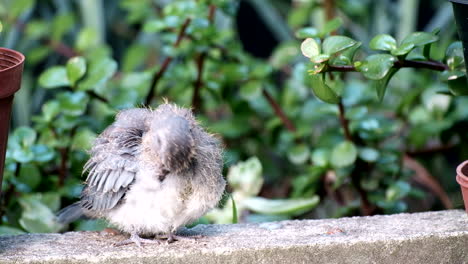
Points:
(134, 238)
(171, 238)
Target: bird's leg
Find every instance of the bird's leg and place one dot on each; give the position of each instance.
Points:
(134, 238)
(172, 237)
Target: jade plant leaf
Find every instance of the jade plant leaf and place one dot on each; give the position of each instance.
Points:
(419, 39)
(403, 49)
(73, 104)
(246, 177)
(310, 48)
(376, 67)
(76, 68)
(383, 42)
(292, 207)
(454, 55)
(331, 26)
(54, 77)
(343, 154)
(307, 32)
(380, 86)
(99, 72)
(8, 230)
(36, 216)
(322, 91)
(334, 44)
(299, 154)
(251, 90)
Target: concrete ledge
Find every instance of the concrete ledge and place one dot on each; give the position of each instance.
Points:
(432, 237)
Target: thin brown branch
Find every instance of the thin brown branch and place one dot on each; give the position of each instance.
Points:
(196, 100)
(64, 155)
(61, 48)
(424, 177)
(157, 76)
(329, 6)
(279, 112)
(93, 94)
(344, 122)
(431, 65)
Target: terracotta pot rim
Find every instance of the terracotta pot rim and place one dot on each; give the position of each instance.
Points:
(17, 58)
(462, 179)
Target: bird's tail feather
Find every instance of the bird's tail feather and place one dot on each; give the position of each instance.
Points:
(70, 213)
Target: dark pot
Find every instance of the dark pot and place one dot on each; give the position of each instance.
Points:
(460, 10)
(462, 179)
(11, 69)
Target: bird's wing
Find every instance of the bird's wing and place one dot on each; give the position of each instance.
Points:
(112, 167)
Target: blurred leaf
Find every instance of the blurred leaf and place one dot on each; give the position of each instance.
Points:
(307, 32)
(61, 24)
(87, 38)
(36, 29)
(8, 230)
(458, 86)
(321, 157)
(42, 153)
(343, 154)
(99, 72)
(334, 44)
(322, 91)
(54, 77)
(293, 207)
(284, 54)
(246, 177)
(397, 191)
(30, 175)
(26, 136)
(135, 56)
(83, 139)
(73, 104)
(18, 7)
(50, 110)
(92, 225)
(377, 66)
(235, 218)
(383, 42)
(51, 200)
(368, 154)
(251, 90)
(310, 48)
(154, 26)
(299, 154)
(36, 217)
(76, 68)
(331, 26)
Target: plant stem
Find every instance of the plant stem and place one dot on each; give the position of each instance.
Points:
(279, 112)
(97, 96)
(329, 6)
(196, 101)
(343, 121)
(157, 76)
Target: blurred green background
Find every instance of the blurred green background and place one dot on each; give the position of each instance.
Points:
(367, 149)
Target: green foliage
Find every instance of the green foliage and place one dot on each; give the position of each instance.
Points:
(323, 137)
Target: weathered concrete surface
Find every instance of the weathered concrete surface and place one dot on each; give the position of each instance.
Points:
(433, 237)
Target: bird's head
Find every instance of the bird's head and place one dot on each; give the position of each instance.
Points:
(173, 142)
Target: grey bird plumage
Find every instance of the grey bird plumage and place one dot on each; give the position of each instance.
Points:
(151, 172)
